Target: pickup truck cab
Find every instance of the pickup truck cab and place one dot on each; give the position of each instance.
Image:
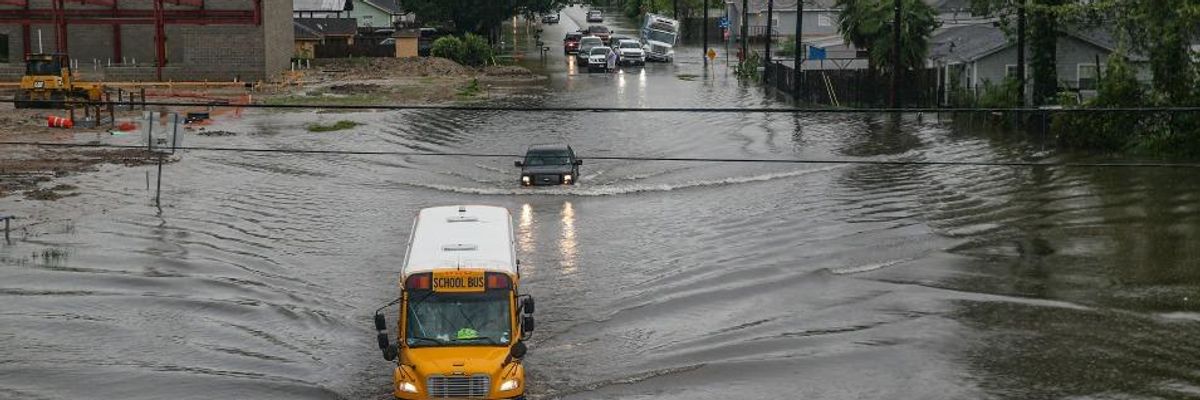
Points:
(463, 322)
(630, 52)
(549, 164)
(601, 32)
(586, 44)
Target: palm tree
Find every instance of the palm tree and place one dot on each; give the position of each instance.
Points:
(868, 25)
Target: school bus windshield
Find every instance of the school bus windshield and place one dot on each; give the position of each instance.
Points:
(441, 319)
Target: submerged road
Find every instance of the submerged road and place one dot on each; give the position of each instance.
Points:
(258, 276)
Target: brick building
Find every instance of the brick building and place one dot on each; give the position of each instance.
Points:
(117, 40)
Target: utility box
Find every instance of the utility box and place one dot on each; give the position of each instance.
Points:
(406, 42)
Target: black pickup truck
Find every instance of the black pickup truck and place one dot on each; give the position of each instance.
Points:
(549, 164)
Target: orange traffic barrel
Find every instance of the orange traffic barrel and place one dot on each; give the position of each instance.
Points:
(59, 122)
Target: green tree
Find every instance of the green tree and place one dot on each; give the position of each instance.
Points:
(1043, 49)
(868, 25)
(476, 16)
(1163, 29)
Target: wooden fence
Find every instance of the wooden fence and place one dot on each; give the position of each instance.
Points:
(363, 48)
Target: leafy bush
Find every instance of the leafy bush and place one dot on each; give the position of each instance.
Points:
(472, 50)
(1110, 131)
(447, 47)
(1002, 95)
(476, 51)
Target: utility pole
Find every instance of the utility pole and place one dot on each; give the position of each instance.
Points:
(675, 10)
(798, 58)
(767, 53)
(745, 29)
(895, 103)
(1021, 51)
(705, 33)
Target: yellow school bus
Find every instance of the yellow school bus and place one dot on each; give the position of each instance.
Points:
(462, 320)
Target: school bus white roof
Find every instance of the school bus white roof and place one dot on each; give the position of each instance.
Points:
(449, 237)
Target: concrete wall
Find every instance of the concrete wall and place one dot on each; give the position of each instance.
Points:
(194, 52)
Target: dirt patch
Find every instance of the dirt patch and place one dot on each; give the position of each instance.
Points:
(354, 88)
(507, 70)
(414, 80)
(382, 68)
(24, 168)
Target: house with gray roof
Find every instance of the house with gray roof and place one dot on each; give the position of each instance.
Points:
(371, 14)
(968, 57)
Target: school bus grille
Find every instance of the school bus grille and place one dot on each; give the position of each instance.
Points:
(469, 387)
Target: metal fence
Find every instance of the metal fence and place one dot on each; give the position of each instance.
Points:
(852, 87)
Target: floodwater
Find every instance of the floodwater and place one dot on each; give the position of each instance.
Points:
(258, 276)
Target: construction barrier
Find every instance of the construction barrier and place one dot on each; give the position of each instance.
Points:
(59, 122)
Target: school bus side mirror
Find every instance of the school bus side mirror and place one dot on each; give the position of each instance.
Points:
(527, 324)
(380, 322)
(385, 345)
(527, 305)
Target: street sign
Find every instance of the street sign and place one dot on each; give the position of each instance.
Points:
(816, 53)
(712, 54)
(723, 22)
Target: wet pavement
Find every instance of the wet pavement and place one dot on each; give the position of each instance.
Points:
(258, 276)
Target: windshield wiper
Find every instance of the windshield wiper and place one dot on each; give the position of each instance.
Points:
(426, 339)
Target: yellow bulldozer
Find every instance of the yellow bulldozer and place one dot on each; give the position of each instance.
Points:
(49, 82)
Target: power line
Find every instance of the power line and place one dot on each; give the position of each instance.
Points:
(635, 158)
(748, 110)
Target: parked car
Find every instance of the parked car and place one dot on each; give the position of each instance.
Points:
(550, 18)
(601, 32)
(598, 59)
(586, 44)
(631, 52)
(571, 42)
(595, 16)
(549, 164)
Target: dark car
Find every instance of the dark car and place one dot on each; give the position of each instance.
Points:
(550, 18)
(571, 42)
(425, 41)
(595, 16)
(601, 32)
(549, 164)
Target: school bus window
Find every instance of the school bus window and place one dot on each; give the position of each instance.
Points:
(442, 319)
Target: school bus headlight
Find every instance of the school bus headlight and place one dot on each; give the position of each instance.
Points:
(407, 387)
(511, 384)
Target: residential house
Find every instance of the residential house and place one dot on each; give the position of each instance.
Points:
(970, 56)
(370, 14)
(310, 32)
(321, 8)
(820, 17)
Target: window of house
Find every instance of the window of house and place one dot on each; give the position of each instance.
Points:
(1087, 76)
(1010, 71)
(824, 20)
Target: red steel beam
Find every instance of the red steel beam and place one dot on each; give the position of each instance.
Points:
(160, 39)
